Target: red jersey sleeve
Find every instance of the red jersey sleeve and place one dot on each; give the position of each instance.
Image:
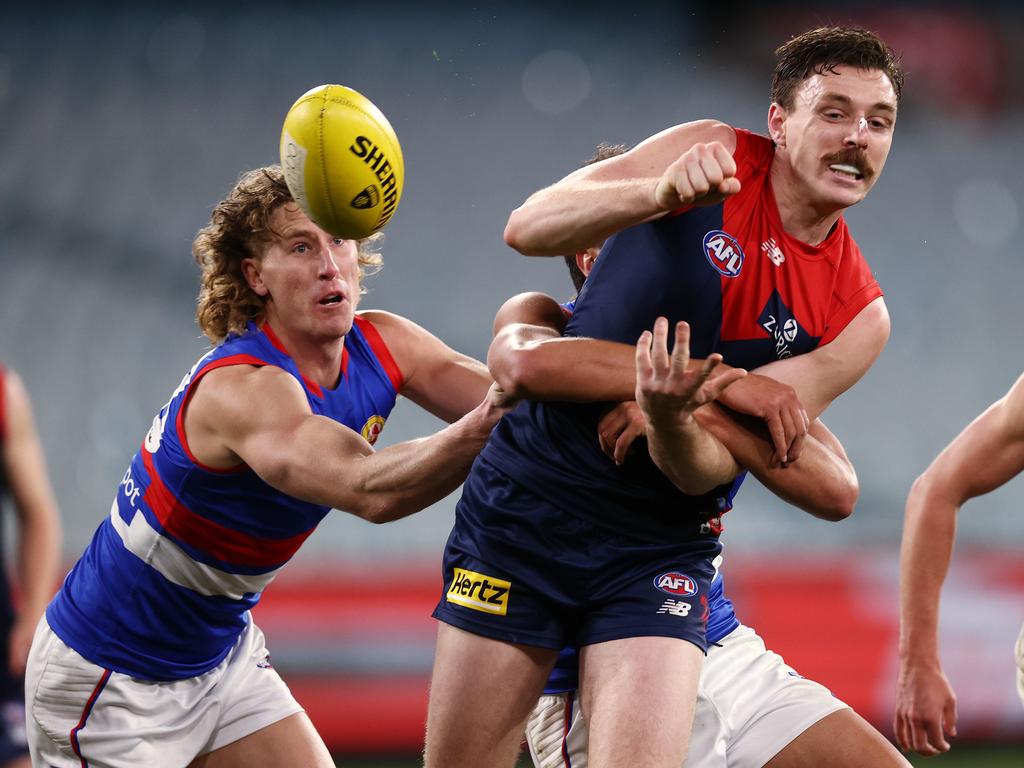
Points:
(855, 288)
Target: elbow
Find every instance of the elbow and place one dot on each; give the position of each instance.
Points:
(515, 235)
(516, 371)
(522, 236)
(840, 503)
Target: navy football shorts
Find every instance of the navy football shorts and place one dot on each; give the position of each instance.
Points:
(520, 570)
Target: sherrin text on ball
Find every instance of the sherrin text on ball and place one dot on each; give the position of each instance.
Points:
(342, 161)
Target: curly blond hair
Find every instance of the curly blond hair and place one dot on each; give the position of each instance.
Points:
(239, 227)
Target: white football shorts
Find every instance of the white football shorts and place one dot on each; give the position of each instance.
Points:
(750, 705)
(81, 714)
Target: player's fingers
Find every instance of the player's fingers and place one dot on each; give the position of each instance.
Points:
(919, 737)
(681, 350)
(729, 187)
(899, 729)
(698, 181)
(643, 356)
(797, 446)
(623, 444)
(716, 386)
(777, 432)
(789, 426)
(935, 736)
(659, 348)
(949, 716)
(711, 165)
(725, 160)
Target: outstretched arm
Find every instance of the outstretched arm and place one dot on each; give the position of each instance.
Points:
(319, 460)
(988, 453)
(39, 535)
(677, 167)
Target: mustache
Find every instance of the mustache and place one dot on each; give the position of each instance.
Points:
(854, 156)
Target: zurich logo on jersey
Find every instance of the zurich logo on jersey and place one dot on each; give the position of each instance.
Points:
(675, 583)
(723, 252)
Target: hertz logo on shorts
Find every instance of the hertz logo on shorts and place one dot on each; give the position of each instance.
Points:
(479, 592)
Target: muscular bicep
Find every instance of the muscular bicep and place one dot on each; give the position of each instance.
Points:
(820, 376)
(651, 157)
(988, 453)
(260, 416)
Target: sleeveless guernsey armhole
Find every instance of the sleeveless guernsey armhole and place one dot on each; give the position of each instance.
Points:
(179, 421)
(380, 349)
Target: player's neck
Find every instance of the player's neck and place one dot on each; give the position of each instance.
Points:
(801, 217)
(317, 358)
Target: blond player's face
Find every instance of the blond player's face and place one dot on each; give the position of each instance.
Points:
(310, 277)
(838, 134)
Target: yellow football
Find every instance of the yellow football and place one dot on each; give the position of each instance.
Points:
(342, 161)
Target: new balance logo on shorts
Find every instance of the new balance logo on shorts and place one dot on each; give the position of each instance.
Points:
(479, 592)
(675, 608)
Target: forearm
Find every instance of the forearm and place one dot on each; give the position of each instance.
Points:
(530, 366)
(689, 455)
(576, 214)
(38, 563)
(929, 530)
(822, 482)
(402, 479)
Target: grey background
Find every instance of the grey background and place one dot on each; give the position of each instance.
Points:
(123, 125)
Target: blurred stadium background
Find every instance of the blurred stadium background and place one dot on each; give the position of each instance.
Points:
(124, 123)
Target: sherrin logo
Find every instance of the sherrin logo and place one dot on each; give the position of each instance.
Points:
(723, 252)
(479, 592)
(675, 583)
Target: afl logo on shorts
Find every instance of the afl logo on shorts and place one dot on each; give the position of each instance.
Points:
(372, 428)
(675, 583)
(723, 252)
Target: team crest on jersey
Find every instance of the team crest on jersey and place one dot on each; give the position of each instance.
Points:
(675, 583)
(372, 428)
(723, 252)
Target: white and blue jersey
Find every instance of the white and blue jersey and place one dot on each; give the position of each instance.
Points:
(164, 589)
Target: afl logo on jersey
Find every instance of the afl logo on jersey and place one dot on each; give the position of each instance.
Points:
(723, 252)
(372, 428)
(675, 583)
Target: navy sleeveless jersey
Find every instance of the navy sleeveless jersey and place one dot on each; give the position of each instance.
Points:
(748, 290)
(164, 588)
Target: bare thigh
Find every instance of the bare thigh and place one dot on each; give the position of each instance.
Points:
(843, 739)
(291, 741)
(480, 695)
(639, 695)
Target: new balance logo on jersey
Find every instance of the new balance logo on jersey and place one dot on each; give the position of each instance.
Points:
(479, 592)
(676, 583)
(675, 608)
(723, 252)
(772, 250)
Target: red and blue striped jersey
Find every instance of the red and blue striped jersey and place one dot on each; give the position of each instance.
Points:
(164, 589)
(749, 291)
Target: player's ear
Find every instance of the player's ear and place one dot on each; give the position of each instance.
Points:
(253, 276)
(777, 115)
(585, 259)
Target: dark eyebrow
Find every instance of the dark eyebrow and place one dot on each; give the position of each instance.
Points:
(881, 106)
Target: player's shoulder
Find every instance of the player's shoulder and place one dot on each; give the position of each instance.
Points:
(246, 383)
(673, 141)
